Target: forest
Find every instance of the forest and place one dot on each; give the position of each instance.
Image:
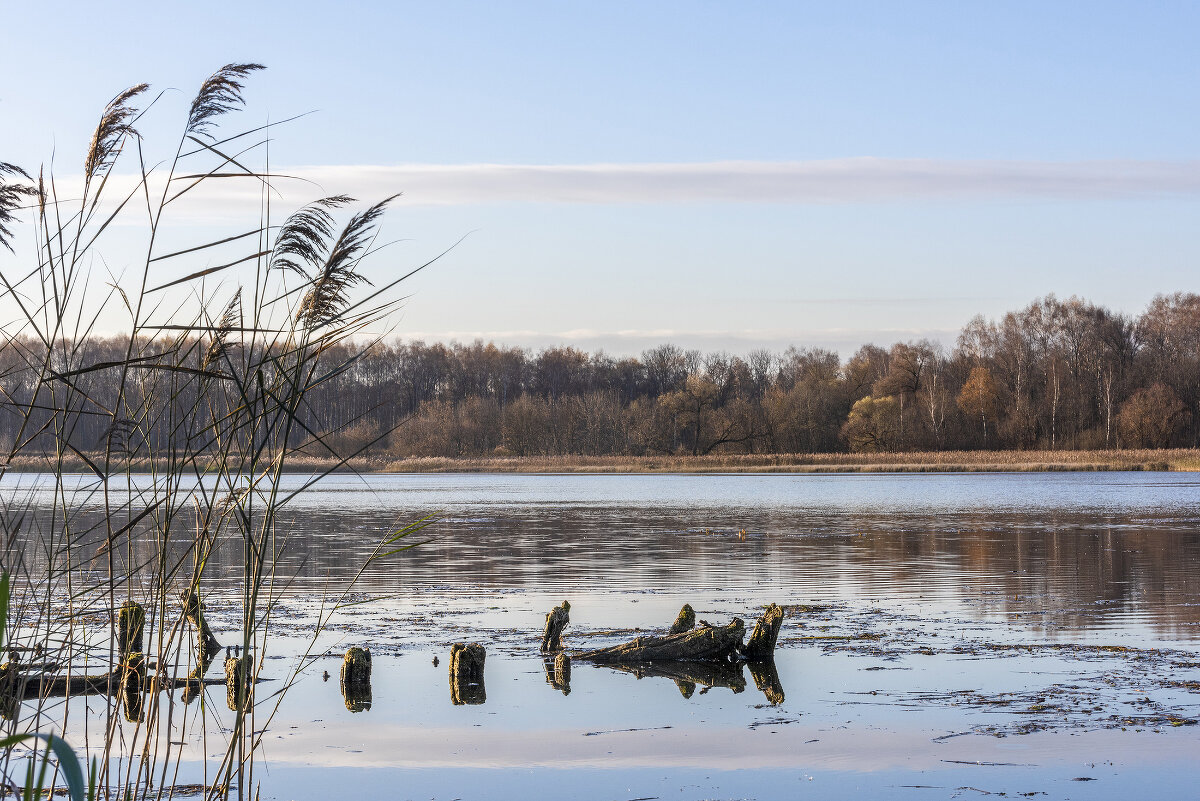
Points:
(1057, 374)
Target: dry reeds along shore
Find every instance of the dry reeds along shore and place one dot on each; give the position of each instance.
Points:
(1177, 460)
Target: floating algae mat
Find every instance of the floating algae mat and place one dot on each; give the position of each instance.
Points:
(942, 636)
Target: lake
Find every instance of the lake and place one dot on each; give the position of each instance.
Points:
(947, 636)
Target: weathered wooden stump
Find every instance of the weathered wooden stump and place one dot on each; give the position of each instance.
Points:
(193, 610)
(237, 682)
(556, 620)
(766, 679)
(466, 674)
(558, 672)
(761, 645)
(703, 644)
(133, 679)
(356, 679)
(131, 622)
(686, 621)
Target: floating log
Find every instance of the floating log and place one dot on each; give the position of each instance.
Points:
(556, 620)
(686, 621)
(237, 682)
(705, 643)
(466, 674)
(688, 674)
(766, 679)
(193, 610)
(356, 679)
(131, 622)
(558, 672)
(761, 645)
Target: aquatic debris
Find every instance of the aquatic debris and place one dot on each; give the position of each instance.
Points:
(131, 622)
(556, 620)
(237, 682)
(466, 674)
(766, 632)
(356, 679)
(685, 621)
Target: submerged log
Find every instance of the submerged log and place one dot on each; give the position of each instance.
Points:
(356, 679)
(706, 643)
(688, 674)
(686, 620)
(466, 674)
(131, 622)
(761, 645)
(193, 610)
(556, 620)
(766, 679)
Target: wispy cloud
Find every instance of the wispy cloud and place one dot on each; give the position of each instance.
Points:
(853, 180)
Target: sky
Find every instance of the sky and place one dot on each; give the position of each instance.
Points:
(725, 176)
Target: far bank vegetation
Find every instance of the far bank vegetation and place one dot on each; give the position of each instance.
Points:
(1057, 375)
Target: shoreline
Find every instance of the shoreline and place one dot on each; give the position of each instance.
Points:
(1176, 460)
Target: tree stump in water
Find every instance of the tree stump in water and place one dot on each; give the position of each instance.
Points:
(686, 621)
(193, 610)
(466, 674)
(131, 622)
(706, 643)
(237, 682)
(761, 645)
(356, 679)
(556, 620)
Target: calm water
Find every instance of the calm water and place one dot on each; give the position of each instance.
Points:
(907, 682)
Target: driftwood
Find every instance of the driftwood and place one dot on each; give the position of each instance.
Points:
(356, 679)
(703, 644)
(556, 621)
(688, 674)
(761, 645)
(685, 621)
(238, 670)
(466, 674)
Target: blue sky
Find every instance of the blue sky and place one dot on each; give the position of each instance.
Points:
(718, 175)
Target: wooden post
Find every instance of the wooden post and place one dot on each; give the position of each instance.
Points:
(131, 622)
(356, 679)
(686, 620)
(556, 621)
(761, 645)
(466, 674)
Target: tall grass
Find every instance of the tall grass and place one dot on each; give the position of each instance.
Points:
(201, 417)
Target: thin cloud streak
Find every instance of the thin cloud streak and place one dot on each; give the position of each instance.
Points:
(853, 180)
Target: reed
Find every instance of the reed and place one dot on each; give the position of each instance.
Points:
(228, 338)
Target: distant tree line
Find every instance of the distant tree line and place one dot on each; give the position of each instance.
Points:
(1056, 374)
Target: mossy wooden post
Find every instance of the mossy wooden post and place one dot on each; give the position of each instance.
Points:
(686, 621)
(193, 610)
(133, 679)
(761, 645)
(131, 622)
(237, 682)
(556, 620)
(466, 674)
(356, 679)
(11, 689)
(766, 679)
